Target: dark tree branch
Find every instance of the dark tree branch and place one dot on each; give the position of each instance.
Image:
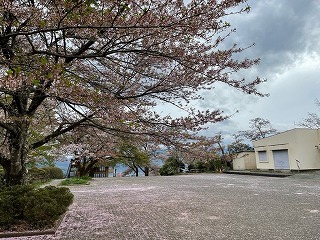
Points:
(59, 132)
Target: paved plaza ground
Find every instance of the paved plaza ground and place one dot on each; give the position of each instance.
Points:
(199, 206)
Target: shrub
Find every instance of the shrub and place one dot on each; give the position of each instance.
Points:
(44, 174)
(208, 165)
(33, 208)
(54, 172)
(218, 164)
(171, 166)
(201, 166)
(11, 205)
(212, 164)
(61, 194)
(38, 175)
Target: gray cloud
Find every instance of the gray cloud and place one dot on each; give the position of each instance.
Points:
(282, 31)
(286, 34)
(287, 38)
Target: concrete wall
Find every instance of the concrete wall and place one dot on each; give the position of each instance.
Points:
(245, 161)
(301, 144)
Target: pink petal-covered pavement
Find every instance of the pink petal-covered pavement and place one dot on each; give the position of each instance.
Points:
(199, 206)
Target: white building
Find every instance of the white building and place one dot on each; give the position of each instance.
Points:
(245, 161)
(296, 149)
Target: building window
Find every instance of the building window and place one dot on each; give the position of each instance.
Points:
(262, 156)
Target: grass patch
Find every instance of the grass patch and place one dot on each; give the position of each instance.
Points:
(76, 181)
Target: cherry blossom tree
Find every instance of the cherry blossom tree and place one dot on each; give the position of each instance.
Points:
(107, 64)
(259, 128)
(313, 119)
(238, 146)
(88, 147)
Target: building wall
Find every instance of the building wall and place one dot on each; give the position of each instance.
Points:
(245, 161)
(300, 145)
(309, 149)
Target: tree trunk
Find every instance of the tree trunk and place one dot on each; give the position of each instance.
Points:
(146, 171)
(16, 173)
(85, 165)
(5, 163)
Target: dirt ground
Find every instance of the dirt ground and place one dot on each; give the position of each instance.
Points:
(196, 206)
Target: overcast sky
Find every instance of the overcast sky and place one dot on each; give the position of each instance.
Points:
(286, 34)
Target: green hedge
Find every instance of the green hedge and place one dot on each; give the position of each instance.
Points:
(32, 208)
(44, 174)
(54, 172)
(38, 175)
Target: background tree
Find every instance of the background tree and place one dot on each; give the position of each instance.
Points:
(134, 158)
(222, 152)
(171, 166)
(156, 155)
(313, 119)
(259, 128)
(238, 145)
(226, 152)
(89, 147)
(107, 64)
